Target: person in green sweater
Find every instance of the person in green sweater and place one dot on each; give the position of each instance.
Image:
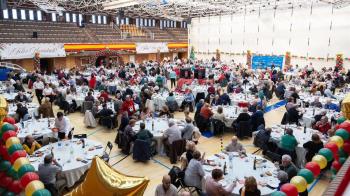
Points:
(288, 141)
(145, 135)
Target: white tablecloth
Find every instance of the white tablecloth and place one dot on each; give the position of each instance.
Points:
(159, 100)
(238, 168)
(36, 128)
(11, 96)
(160, 125)
(66, 153)
(32, 109)
(309, 114)
(241, 97)
(231, 113)
(300, 136)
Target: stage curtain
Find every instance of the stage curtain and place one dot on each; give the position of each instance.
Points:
(103, 180)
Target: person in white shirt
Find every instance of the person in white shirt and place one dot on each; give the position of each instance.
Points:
(38, 86)
(48, 92)
(62, 123)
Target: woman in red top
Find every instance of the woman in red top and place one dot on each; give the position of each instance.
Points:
(128, 106)
(323, 125)
(92, 82)
(104, 96)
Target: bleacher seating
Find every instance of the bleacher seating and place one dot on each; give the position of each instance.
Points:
(19, 31)
(132, 30)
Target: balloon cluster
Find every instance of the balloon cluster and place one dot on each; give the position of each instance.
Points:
(333, 154)
(16, 173)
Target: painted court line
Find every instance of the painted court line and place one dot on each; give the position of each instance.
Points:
(94, 132)
(160, 163)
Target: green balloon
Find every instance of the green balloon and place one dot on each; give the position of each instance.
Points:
(278, 193)
(343, 134)
(24, 169)
(2, 190)
(5, 165)
(14, 148)
(41, 192)
(342, 153)
(12, 173)
(328, 154)
(341, 120)
(7, 127)
(307, 174)
(8, 193)
(342, 160)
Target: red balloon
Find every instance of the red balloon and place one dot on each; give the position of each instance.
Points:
(346, 147)
(336, 165)
(332, 146)
(27, 178)
(9, 120)
(17, 154)
(345, 125)
(289, 189)
(5, 182)
(2, 174)
(15, 187)
(4, 153)
(314, 168)
(8, 134)
(2, 150)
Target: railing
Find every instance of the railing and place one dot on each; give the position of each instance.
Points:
(12, 66)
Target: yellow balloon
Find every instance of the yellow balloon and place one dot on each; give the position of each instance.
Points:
(33, 186)
(320, 160)
(19, 162)
(299, 182)
(12, 140)
(337, 140)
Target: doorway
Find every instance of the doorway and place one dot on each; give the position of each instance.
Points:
(46, 65)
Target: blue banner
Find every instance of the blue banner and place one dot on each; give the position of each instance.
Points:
(263, 62)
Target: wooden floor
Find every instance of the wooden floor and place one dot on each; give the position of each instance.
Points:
(155, 169)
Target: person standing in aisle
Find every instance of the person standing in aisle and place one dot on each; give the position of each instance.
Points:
(39, 87)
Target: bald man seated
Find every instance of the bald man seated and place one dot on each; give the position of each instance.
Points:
(234, 146)
(166, 188)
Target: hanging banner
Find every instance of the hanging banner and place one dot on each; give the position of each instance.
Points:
(28, 51)
(143, 48)
(263, 62)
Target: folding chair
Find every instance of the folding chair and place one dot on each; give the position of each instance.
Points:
(106, 155)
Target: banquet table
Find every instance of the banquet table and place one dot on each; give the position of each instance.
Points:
(32, 109)
(11, 96)
(160, 125)
(309, 114)
(308, 98)
(241, 99)
(300, 136)
(231, 113)
(36, 128)
(240, 167)
(71, 155)
(159, 100)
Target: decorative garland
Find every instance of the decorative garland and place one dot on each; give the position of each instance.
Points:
(16, 172)
(334, 152)
(249, 59)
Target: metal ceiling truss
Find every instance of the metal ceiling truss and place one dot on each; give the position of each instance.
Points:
(176, 9)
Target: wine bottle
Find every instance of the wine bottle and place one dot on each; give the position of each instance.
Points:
(254, 164)
(152, 125)
(304, 128)
(225, 168)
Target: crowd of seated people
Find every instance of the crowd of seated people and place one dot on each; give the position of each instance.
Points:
(136, 85)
